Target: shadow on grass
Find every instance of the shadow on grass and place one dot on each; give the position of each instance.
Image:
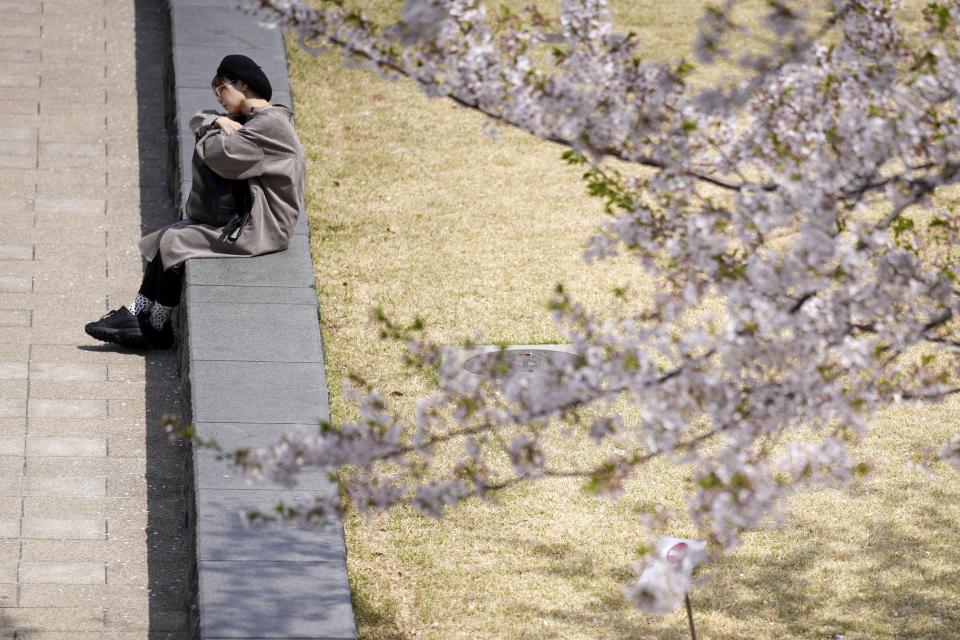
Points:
(900, 583)
(376, 619)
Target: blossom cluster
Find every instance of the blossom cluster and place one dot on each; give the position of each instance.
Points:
(790, 209)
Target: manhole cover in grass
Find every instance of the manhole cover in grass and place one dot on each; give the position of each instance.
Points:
(499, 363)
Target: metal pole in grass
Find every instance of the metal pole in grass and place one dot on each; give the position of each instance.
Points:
(693, 629)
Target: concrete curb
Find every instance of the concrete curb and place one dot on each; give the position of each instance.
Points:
(253, 355)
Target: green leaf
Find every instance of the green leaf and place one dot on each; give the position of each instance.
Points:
(901, 225)
(683, 68)
(709, 481)
(574, 157)
(941, 13)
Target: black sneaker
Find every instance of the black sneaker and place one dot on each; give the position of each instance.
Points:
(118, 326)
(159, 339)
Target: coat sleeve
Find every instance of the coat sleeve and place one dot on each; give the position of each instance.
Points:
(202, 121)
(235, 157)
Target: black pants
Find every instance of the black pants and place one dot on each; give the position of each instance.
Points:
(163, 287)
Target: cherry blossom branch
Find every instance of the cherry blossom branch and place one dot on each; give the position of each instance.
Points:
(804, 310)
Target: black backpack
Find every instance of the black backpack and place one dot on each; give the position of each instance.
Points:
(218, 201)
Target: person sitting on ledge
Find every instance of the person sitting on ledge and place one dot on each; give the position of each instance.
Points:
(247, 191)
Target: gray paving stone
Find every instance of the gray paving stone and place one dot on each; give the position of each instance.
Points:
(92, 97)
(11, 446)
(8, 598)
(9, 6)
(62, 572)
(12, 408)
(290, 268)
(67, 447)
(74, 408)
(93, 75)
(261, 392)
(18, 162)
(15, 318)
(16, 284)
(19, 107)
(9, 528)
(73, 149)
(211, 473)
(10, 351)
(67, 371)
(223, 532)
(10, 486)
(16, 252)
(64, 486)
(13, 388)
(63, 529)
(19, 134)
(15, 205)
(13, 370)
(197, 294)
(71, 206)
(16, 269)
(274, 600)
(216, 27)
(27, 148)
(254, 332)
(19, 81)
(19, 31)
(76, 507)
(20, 55)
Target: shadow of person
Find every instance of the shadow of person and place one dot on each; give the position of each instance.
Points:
(168, 538)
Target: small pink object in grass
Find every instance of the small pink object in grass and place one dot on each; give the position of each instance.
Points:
(683, 553)
(677, 552)
(666, 579)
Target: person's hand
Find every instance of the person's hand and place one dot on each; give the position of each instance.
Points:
(227, 125)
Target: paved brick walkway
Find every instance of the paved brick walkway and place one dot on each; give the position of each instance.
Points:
(92, 537)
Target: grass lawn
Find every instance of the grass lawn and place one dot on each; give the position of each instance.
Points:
(412, 208)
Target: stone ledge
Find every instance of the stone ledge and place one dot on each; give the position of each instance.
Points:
(252, 354)
(309, 602)
(258, 392)
(220, 474)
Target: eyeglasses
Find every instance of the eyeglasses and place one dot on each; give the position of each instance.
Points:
(216, 90)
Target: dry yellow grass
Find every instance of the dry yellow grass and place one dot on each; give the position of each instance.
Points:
(413, 209)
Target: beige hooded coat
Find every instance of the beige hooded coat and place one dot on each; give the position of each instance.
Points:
(267, 153)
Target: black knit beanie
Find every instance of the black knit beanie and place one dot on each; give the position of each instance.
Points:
(238, 67)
